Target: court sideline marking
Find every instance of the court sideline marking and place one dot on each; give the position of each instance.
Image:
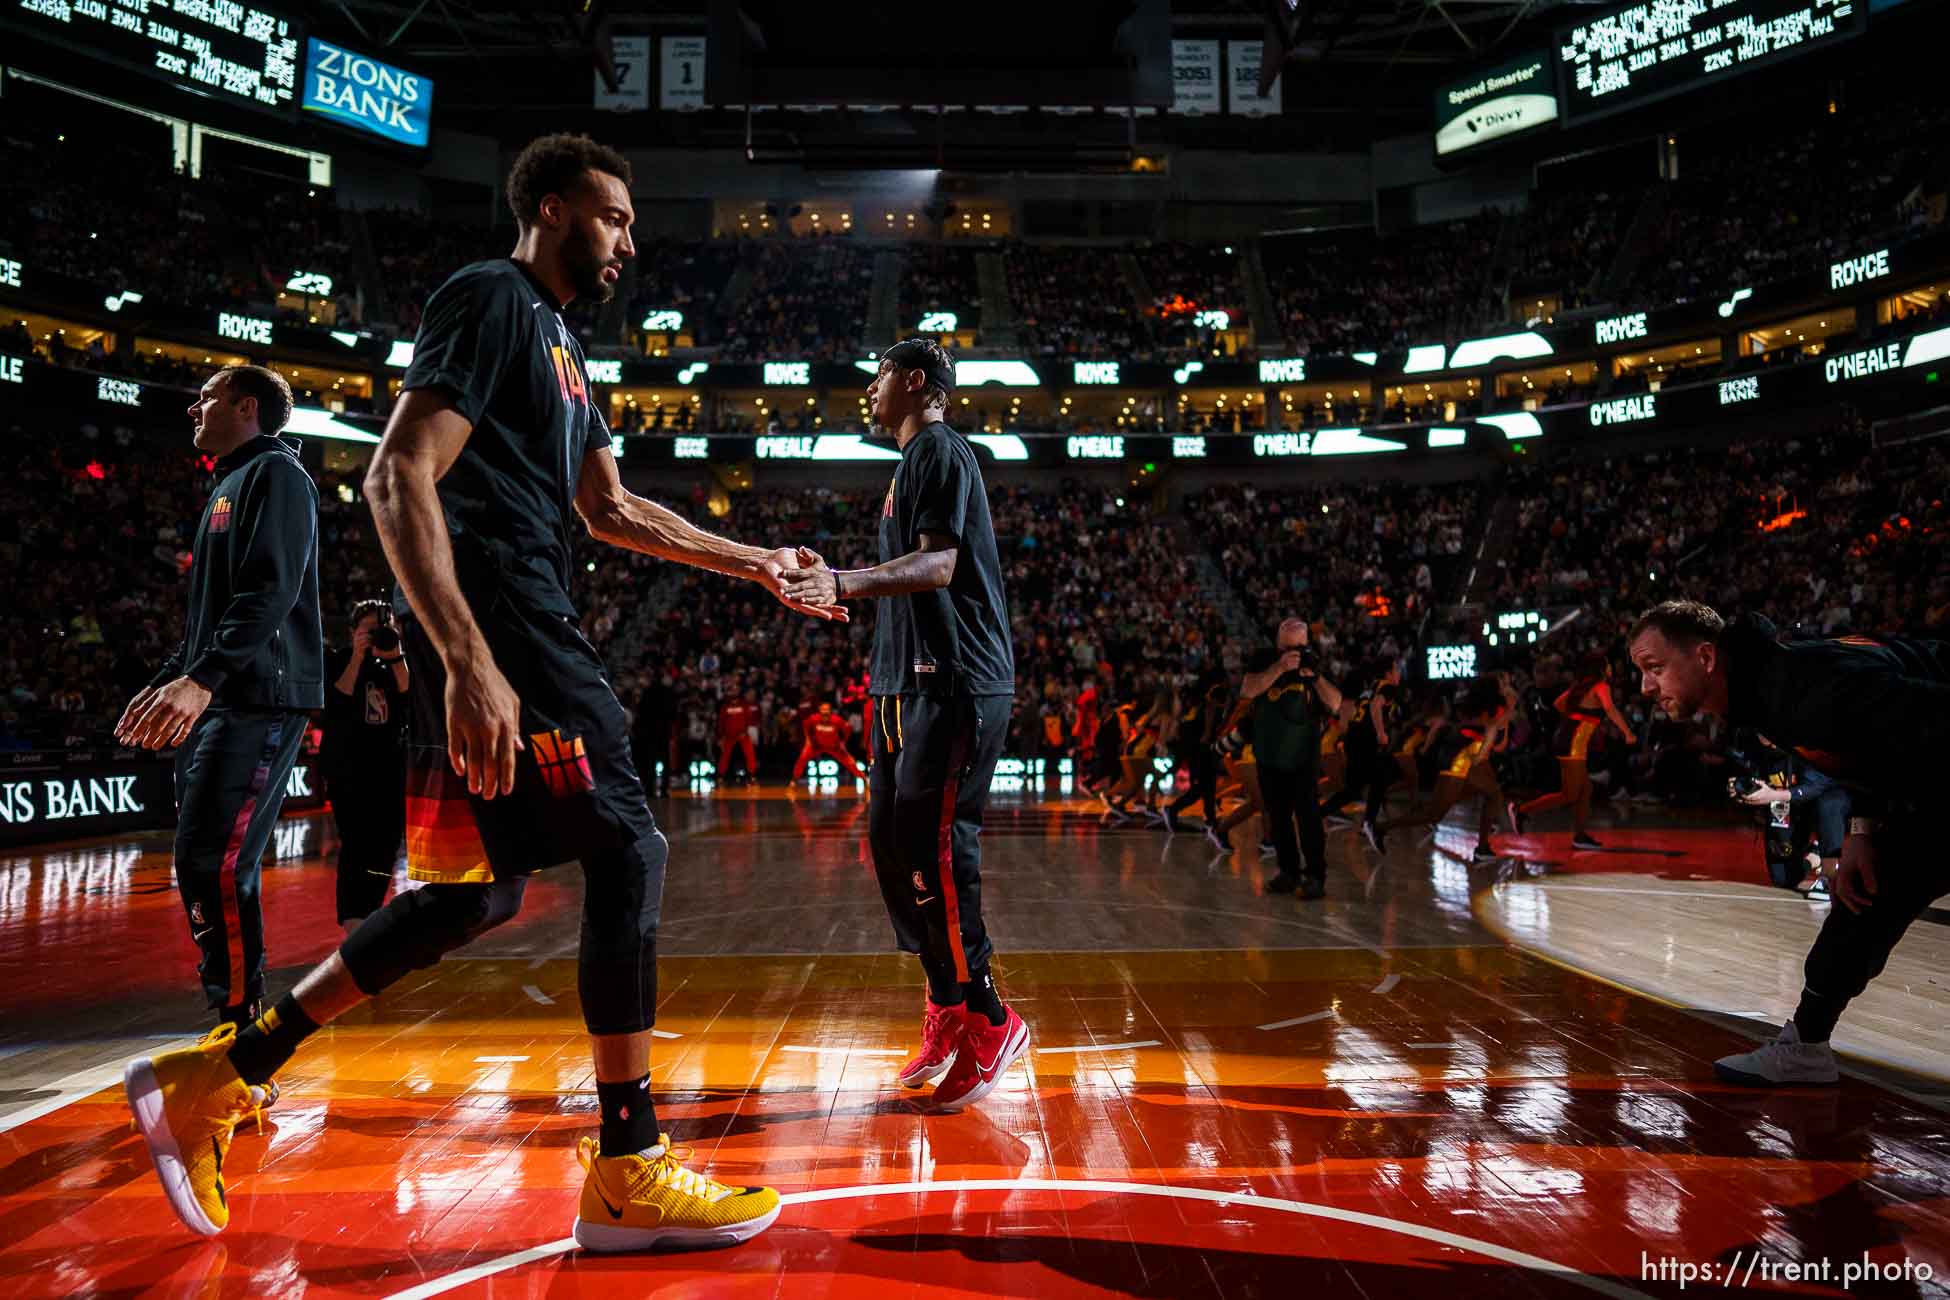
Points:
(1436, 1236)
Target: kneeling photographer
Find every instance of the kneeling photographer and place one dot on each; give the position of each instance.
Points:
(364, 758)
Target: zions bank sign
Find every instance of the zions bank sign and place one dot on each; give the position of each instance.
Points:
(362, 93)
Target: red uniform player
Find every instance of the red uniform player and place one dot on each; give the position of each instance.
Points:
(826, 738)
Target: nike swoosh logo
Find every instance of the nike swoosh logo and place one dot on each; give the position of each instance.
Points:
(196, 936)
(987, 1070)
(218, 1148)
(614, 1212)
(928, 899)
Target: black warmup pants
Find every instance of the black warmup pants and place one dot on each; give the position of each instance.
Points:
(1852, 948)
(576, 798)
(1204, 767)
(230, 782)
(933, 759)
(1369, 774)
(369, 810)
(1289, 799)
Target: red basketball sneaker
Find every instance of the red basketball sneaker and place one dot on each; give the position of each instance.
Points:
(986, 1051)
(941, 1035)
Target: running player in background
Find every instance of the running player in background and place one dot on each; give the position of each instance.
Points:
(1371, 767)
(1585, 707)
(1487, 710)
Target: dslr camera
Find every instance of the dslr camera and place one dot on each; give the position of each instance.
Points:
(385, 636)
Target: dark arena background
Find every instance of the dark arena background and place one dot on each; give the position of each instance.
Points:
(1448, 335)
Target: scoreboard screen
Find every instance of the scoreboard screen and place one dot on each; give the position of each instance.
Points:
(233, 52)
(1646, 51)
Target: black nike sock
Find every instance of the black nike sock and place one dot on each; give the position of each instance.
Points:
(629, 1116)
(981, 997)
(266, 1043)
(944, 990)
(1815, 1018)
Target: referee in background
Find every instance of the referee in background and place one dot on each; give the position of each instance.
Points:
(234, 696)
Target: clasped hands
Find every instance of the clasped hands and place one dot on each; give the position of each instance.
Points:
(802, 580)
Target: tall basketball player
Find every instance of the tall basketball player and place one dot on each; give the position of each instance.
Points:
(520, 751)
(944, 675)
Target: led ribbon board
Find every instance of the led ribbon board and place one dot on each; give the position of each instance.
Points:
(236, 53)
(1641, 52)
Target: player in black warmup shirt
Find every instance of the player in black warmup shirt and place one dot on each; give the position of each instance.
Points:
(944, 678)
(234, 695)
(364, 758)
(520, 753)
(1370, 759)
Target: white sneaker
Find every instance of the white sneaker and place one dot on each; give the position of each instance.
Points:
(1213, 838)
(1784, 1062)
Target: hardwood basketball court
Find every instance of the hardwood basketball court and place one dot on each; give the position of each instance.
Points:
(1408, 1086)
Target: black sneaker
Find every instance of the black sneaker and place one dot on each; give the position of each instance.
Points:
(1584, 841)
(1282, 884)
(1267, 847)
(1311, 888)
(1482, 852)
(1372, 834)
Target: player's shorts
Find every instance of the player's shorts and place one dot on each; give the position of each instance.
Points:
(577, 795)
(1582, 731)
(1465, 760)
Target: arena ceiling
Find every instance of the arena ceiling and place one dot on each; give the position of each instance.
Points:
(1354, 69)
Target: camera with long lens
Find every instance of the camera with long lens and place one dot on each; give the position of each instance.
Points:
(385, 637)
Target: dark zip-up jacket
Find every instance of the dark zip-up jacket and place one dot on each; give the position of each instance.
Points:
(253, 637)
(1873, 713)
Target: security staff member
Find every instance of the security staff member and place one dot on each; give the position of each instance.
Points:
(234, 695)
(944, 672)
(1286, 740)
(1874, 714)
(365, 759)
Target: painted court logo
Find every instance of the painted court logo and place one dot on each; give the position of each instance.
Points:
(220, 516)
(563, 763)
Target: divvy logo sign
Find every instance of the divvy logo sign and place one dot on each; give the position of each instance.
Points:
(360, 92)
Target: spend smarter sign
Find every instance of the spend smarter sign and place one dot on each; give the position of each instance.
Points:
(1494, 103)
(358, 91)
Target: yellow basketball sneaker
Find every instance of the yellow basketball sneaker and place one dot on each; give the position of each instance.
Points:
(186, 1104)
(639, 1202)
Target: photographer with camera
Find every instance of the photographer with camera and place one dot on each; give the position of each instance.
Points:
(1284, 685)
(364, 758)
(1802, 789)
